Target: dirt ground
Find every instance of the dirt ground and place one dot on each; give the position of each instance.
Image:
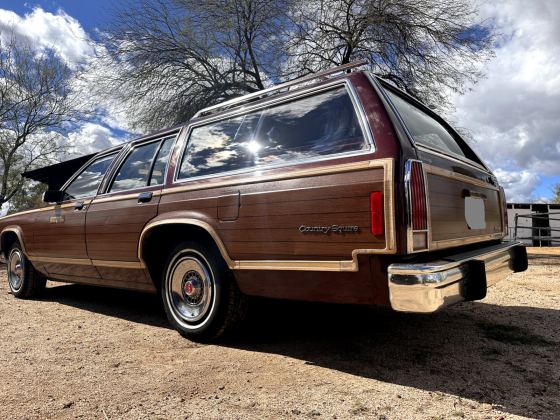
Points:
(87, 352)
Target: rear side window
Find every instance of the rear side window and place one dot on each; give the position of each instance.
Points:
(318, 125)
(87, 183)
(425, 129)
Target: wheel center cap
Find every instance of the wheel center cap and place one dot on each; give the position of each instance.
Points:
(17, 270)
(192, 288)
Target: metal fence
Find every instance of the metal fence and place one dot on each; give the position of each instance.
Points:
(537, 231)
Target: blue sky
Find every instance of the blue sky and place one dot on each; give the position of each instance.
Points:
(513, 113)
(88, 13)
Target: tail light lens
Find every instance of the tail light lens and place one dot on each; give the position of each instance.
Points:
(417, 197)
(376, 201)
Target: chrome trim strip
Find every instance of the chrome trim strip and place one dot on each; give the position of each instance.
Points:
(368, 137)
(157, 135)
(432, 286)
(282, 86)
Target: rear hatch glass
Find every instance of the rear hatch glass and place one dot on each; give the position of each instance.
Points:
(427, 131)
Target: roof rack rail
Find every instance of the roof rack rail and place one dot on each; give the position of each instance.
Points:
(250, 96)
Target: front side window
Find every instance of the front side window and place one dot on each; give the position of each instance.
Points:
(135, 171)
(425, 129)
(314, 126)
(87, 183)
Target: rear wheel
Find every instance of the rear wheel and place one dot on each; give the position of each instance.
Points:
(24, 281)
(200, 294)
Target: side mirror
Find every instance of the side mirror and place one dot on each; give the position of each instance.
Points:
(55, 196)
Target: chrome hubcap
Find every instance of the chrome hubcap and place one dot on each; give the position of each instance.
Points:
(15, 270)
(190, 289)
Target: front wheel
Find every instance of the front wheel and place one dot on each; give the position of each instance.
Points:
(24, 281)
(200, 295)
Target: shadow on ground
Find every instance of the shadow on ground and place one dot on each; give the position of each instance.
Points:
(445, 352)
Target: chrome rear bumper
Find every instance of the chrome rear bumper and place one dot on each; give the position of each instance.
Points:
(434, 285)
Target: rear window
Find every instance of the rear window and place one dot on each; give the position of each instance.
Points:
(425, 129)
(318, 125)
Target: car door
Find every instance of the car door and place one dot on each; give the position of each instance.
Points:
(116, 217)
(59, 231)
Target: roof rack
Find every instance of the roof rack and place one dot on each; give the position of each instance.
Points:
(250, 96)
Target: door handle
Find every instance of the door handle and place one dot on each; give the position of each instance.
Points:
(79, 206)
(144, 197)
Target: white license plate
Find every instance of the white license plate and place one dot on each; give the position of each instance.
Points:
(474, 213)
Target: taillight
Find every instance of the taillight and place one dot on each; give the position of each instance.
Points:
(504, 208)
(417, 197)
(376, 202)
(418, 234)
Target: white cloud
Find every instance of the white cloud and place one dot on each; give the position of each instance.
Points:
(61, 31)
(67, 36)
(519, 186)
(92, 138)
(514, 112)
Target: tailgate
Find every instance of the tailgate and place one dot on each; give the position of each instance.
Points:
(461, 209)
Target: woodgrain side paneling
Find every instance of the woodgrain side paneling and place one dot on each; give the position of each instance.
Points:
(113, 227)
(447, 209)
(271, 214)
(65, 239)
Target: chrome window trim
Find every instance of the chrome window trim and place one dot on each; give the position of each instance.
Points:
(89, 162)
(156, 135)
(462, 159)
(408, 216)
(132, 146)
(360, 113)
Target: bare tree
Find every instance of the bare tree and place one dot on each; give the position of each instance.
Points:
(427, 48)
(162, 60)
(37, 109)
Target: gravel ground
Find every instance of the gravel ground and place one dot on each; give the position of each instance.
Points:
(87, 352)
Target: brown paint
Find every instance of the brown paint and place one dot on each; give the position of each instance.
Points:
(258, 217)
